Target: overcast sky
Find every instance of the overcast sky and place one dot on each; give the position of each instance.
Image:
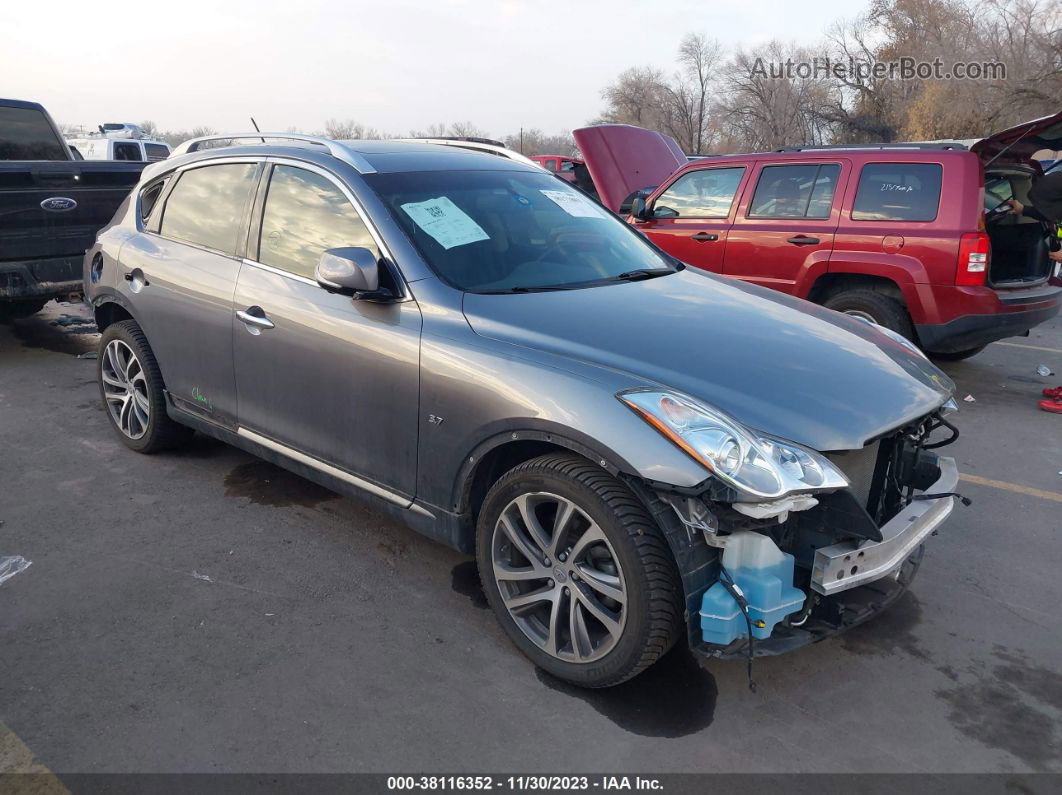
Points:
(394, 65)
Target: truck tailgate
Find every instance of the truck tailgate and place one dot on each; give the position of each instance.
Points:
(95, 189)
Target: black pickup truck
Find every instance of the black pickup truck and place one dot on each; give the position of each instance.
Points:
(51, 207)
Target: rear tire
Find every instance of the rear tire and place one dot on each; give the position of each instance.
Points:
(606, 601)
(132, 391)
(15, 310)
(955, 356)
(875, 306)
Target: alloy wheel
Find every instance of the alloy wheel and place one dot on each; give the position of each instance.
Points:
(559, 578)
(125, 389)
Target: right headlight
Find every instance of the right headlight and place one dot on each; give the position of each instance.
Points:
(757, 465)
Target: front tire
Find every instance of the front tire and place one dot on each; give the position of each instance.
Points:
(132, 390)
(579, 576)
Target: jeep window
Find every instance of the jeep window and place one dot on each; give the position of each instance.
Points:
(898, 192)
(156, 151)
(503, 231)
(550, 164)
(126, 151)
(207, 204)
(708, 193)
(305, 214)
(25, 134)
(797, 191)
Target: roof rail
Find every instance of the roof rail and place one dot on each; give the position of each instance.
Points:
(913, 145)
(477, 145)
(337, 150)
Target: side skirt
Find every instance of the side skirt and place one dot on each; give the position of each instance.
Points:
(436, 523)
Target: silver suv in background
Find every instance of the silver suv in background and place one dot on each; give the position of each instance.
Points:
(636, 452)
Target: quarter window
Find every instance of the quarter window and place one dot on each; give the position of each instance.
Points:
(798, 191)
(149, 197)
(707, 193)
(306, 214)
(207, 205)
(898, 192)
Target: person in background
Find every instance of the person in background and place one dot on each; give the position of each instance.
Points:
(1045, 197)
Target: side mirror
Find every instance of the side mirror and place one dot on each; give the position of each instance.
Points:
(639, 210)
(352, 271)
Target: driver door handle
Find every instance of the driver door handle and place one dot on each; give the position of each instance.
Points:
(256, 319)
(802, 240)
(703, 237)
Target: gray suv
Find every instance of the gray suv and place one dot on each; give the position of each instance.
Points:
(636, 452)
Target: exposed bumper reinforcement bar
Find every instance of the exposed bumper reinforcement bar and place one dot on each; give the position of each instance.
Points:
(851, 564)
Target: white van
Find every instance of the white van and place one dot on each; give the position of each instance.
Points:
(101, 148)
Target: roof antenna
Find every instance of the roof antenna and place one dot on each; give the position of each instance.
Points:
(255, 124)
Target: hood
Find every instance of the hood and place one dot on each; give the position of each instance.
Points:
(1024, 140)
(623, 159)
(775, 363)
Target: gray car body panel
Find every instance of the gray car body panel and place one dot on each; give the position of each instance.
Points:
(415, 392)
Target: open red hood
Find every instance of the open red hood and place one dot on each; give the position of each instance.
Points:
(623, 159)
(1024, 139)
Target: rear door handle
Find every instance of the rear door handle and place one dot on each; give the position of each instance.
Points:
(704, 237)
(802, 240)
(254, 320)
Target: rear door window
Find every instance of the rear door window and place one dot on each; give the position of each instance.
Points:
(207, 206)
(25, 134)
(898, 192)
(306, 214)
(796, 191)
(708, 193)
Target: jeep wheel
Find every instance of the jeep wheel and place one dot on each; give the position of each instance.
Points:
(132, 390)
(577, 573)
(875, 307)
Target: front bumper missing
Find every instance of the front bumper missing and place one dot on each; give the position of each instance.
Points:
(850, 564)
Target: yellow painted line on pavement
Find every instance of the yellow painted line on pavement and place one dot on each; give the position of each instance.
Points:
(15, 757)
(1014, 487)
(1030, 347)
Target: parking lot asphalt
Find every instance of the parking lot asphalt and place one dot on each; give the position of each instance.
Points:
(205, 611)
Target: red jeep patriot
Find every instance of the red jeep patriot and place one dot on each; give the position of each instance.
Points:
(915, 237)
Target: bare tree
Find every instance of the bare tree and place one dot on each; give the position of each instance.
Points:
(533, 141)
(350, 130)
(765, 112)
(686, 113)
(636, 97)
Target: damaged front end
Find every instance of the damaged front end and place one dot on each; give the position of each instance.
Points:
(798, 568)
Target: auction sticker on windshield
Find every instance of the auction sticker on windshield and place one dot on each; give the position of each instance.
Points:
(445, 221)
(572, 203)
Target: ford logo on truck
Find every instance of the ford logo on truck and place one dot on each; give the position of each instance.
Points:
(58, 204)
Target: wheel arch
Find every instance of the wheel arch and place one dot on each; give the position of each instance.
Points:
(829, 284)
(501, 451)
(108, 310)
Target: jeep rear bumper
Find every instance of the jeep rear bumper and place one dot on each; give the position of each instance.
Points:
(46, 278)
(1017, 313)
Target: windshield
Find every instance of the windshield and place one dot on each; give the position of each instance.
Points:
(507, 231)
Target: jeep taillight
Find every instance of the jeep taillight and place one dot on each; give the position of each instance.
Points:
(973, 259)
